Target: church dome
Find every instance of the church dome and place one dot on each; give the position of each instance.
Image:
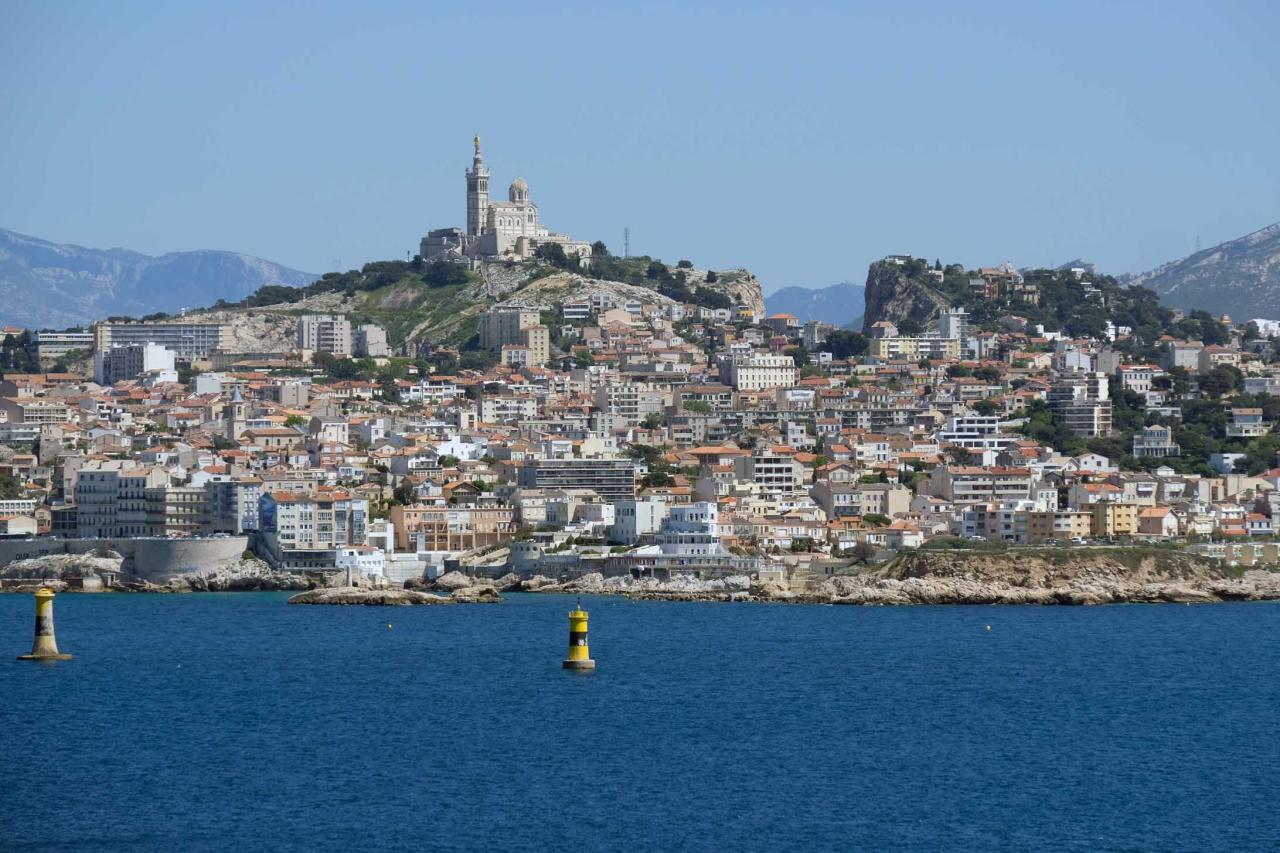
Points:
(519, 190)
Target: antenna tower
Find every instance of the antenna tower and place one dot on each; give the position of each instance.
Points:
(626, 242)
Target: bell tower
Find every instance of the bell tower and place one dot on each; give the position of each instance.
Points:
(477, 193)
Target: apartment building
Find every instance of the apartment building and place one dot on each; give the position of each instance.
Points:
(774, 470)
(518, 326)
(611, 479)
(758, 371)
(449, 528)
(370, 340)
(324, 333)
(130, 361)
(305, 529)
(52, 345)
(914, 349)
(187, 340)
(33, 410)
(971, 484)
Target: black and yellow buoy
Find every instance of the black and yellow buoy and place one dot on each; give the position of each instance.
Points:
(45, 645)
(579, 653)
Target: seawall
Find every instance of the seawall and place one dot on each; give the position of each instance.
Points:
(156, 560)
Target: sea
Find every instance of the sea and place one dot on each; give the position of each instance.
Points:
(236, 722)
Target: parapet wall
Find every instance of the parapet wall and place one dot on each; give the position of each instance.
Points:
(156, 560)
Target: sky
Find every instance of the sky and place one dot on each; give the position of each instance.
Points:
(801, 141)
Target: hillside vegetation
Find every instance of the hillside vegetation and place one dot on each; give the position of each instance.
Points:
(440, 302)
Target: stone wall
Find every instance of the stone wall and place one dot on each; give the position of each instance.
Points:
(156, 560)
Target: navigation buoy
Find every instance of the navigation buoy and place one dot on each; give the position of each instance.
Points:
(388, 626)
(45, 645)
(579, 652)
(988, 627)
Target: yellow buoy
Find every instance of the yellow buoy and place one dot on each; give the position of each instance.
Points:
(45, 645)
(579, 652)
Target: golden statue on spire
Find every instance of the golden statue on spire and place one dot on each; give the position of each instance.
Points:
(477, 145)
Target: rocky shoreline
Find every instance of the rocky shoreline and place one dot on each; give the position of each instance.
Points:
(1045, 577)
(1054, 578)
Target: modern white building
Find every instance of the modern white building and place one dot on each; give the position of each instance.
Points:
(757, 371)
(131, 361)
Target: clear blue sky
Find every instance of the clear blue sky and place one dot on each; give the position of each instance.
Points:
(800, 141)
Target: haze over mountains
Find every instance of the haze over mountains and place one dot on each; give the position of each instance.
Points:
(54, 285)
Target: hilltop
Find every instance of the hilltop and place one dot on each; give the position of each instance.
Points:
(441, 302)
(55, 285)
(1240, 277)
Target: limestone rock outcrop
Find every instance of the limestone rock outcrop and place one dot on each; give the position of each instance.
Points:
(903, 301)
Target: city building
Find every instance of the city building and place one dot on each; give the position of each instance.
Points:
(131, 361)
(324, 333)
(610, 479)
(186, 340)
(757, 371)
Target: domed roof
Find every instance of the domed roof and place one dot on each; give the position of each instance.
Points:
(519, 184)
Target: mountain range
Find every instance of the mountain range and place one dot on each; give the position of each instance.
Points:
(56, 285)
(1239, 277)
(840, 304)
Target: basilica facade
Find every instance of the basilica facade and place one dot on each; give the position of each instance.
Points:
(502, 230)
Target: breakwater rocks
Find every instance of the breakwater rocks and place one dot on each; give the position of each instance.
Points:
(395, 597)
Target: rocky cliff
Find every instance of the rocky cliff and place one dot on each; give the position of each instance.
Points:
(1240, 277)
(907, 303)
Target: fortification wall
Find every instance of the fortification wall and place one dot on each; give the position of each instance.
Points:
(156, 560)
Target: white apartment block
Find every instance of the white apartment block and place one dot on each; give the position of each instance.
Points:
(122, 363)
(757, 371)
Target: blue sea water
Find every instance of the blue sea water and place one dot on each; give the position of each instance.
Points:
(235, 722)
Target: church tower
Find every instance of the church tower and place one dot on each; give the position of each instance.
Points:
(233, 415)
(477, 193)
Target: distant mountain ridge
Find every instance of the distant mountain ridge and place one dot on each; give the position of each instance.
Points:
(55, 285)
(839, 304)
(1240, 277)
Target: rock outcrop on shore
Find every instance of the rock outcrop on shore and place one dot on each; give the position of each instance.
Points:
(1050, 576)
(375, 597)
(476, 594)
(249, 574)
(1031, 576)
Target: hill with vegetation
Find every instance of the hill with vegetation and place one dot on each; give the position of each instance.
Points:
(440, 302)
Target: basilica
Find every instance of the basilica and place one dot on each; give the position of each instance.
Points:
(501, 230)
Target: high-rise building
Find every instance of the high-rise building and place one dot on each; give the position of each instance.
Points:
(516, 325)
(324, 333)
